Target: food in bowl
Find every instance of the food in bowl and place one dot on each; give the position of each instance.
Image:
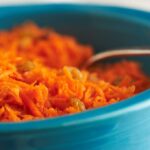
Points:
(40, 76)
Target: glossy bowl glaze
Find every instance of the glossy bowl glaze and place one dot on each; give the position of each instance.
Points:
(121, 126)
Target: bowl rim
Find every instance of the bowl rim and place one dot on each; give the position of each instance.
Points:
(138, 102)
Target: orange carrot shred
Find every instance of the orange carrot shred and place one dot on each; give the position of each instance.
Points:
(40, 76)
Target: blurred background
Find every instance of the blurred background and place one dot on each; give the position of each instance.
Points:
(138, 4)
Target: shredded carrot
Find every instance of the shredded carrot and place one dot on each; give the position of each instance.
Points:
(49, 47)
(39, 76)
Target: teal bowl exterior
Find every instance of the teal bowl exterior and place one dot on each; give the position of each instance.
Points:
(121, 126)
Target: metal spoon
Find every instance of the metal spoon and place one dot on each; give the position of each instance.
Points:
(113, 54)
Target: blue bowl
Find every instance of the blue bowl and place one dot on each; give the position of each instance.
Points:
(125, 125)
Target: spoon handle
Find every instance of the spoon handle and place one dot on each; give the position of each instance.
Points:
(117, 53)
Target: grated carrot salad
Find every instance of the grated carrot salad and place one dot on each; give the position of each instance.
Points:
(39, 77)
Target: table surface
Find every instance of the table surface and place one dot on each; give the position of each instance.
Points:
(138, 4)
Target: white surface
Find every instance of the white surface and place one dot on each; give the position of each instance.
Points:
(140, 4)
